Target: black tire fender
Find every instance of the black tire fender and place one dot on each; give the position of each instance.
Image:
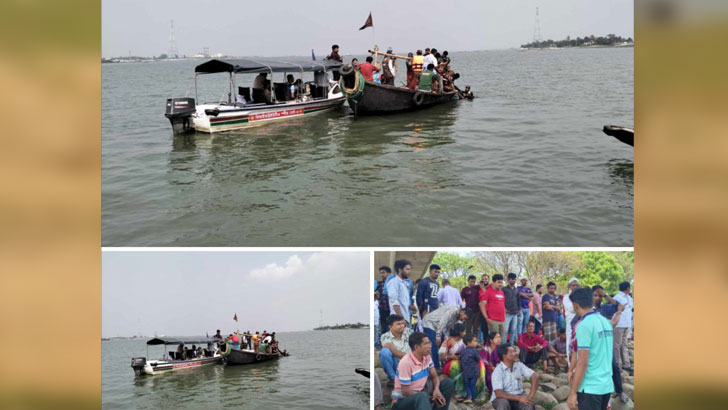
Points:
(418, 98)
(257, 357)
(346, 70)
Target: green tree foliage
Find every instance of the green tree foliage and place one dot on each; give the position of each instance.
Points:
(600, 268)
(591, 268)
(609, 40)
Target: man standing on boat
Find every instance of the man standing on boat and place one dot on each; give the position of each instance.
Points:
(367, 69)
(389, 68)
(336, 57)
(262, 83)
(418, 62)
(218, 335)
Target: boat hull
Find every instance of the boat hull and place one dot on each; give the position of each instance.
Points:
(239, 118)
(387, 99)
(237, 356)
(156, 366)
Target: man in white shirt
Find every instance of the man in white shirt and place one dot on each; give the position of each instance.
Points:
(400, 301)
(570, 314)
(622, 330)
(507, 382)
(449, 296)
(430, 58)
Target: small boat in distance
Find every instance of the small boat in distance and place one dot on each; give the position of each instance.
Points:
(271, 103)
(178, 359)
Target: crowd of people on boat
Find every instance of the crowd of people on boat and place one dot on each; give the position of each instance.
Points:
(257, 342)
(429, 71)
(491, 335)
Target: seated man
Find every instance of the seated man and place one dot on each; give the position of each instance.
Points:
(395, 345)
(417, 385)
(262, 83)
(557, 351)
(426, 78)
(508, 393)
(533, 347)
(291, 88)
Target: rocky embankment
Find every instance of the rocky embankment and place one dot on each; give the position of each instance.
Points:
(553, 391)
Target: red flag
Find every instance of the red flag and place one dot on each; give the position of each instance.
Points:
(235, 318)
(368, 23)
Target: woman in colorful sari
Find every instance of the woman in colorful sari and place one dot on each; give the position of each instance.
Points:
(450, 355)
(490, 358)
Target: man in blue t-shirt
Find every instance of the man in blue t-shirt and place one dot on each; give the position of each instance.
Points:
(427, 291)
(591, 383)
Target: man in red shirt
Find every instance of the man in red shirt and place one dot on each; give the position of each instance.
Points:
(493, 306)
(367, 69)
(533, 347)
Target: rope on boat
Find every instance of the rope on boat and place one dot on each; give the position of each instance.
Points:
(352, 94)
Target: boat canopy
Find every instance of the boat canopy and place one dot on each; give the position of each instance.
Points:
(181, 340)
(265, 66)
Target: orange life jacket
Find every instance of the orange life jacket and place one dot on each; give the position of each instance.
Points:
(417, 63)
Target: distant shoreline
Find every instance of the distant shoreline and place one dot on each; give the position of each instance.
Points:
(346, 326)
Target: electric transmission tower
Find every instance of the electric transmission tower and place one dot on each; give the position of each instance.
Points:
(172, 42)
(537, 28)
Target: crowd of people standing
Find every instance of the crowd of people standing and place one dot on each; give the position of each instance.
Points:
(491, 334)
(425, 71)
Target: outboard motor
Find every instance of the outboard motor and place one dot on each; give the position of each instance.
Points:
(138, 363)
(179, 111)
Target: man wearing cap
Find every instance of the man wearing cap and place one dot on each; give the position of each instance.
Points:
(389, 68)
(570, 314)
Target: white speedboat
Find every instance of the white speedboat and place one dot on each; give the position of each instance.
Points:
(273, 102)
(180, 358)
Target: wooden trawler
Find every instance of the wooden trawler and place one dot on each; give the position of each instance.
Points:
(367, 97)
(177, 359)
(273, 102)
(233, 356)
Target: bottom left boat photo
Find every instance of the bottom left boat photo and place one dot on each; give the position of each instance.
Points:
(235, 329)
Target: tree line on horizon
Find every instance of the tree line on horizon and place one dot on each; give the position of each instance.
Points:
(591, 268)
(609, 40)
(357, 325)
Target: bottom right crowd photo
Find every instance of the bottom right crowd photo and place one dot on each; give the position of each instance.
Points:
(526, 330)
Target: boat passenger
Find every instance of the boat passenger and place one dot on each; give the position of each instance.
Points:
(429, 58)
(411, 77)
(336, 57)
(256, 337)
(418, 62)
(367, 69)
(192, 352)
(355, 63)
(444, 59)
(234, 341)
(291, 87)
(262, 83)
(218, 335)
(427, 77)
(180, 352)
(389, 69)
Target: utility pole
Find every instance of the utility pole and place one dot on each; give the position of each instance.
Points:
(172, 41)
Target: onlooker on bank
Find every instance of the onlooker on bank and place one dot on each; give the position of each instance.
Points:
(395, 345)
(624, 326)
(513, 308)
(469, 295)
(492, 306)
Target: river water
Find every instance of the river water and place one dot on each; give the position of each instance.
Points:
(318, 374)
(524, 164)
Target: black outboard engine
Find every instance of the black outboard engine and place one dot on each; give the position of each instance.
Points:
(138, 363)
(179, 111)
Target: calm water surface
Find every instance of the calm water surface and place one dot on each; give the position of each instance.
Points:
(319, 374)
(524, 164)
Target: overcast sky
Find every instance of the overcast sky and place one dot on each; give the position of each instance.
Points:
(287, 27)
(193, 293)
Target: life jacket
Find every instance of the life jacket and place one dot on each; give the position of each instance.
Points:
(417, 63)
(425, 80)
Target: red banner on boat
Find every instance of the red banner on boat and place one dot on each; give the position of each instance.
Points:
(368, 23)
(183, 365)
(235, 318)
(275, 114)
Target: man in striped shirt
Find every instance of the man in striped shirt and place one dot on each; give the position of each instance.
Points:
(416, 385)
